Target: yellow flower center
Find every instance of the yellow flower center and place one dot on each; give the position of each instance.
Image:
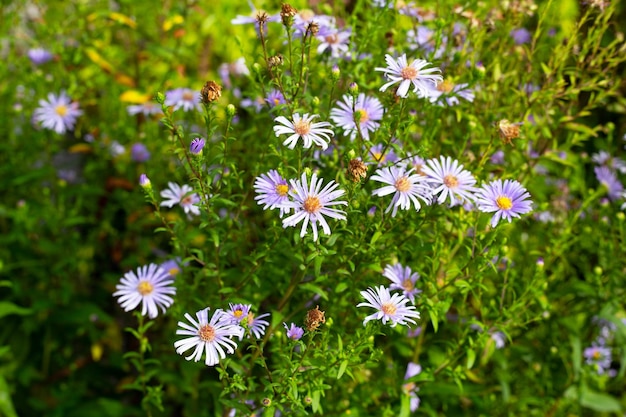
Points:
(389, 309)
(173, 271)
(206, 333)
(402, 184)
(378, 156)
(362, 116)
(445, 86)
(504, 203)
(276, 102)
(407, 284)
(409, 73)
(312, 205)
(302, 127)
(188, 96)
(282, 189)
(144, 288)
(61, 110)
(596, 354)
(451, 181)
(238, 313)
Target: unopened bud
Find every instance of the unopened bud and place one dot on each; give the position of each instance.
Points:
(287, 13)
(335, 73)
(144, 181)
(196, 146)
(266, 402)
(230, 111)
(353, 89)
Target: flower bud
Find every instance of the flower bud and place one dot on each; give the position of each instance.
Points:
(230, 111)
(196, 146)
(335, 73)
(353, 89)
(287, 13)
(144, 181)
(160, 97)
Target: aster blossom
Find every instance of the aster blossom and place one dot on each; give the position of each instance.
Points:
(391, 308)
(212, 336)
(183, 98)
(59, 113)
(410, 388)
(402, 278)
(272, 191)
(364, 112)
(506, 198)
(416, 73)
(407, 188)
(151, 286)
(607, 177)
(449, 179)
(294, 332)
(183, 196)
(599, 356)
(311, 203)
(303, 127)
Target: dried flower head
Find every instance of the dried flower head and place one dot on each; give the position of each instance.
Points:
(313, 28)
(287, 13)
(275, 61)
(314, 318)
(357, 170)
(508, 130)
(210, 92)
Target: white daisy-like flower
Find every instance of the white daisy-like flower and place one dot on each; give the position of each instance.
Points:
(59, 113)
(150, 286)
(303, 127)
(391, 308)
(416, 73)
(214, 336)
(402, 278)
(183, 196)
(406, 186)
(311, 203)
(448, 178)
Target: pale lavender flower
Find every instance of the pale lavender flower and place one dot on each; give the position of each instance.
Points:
(368, 110)
(499, 338)
(139, 152)
(256, 325)
(294, 332)
(39, 56)
(407, 188)
(144, 181)
(238, 312)
(311, 203)
(172, 267)
(447, 92)
(507, 199)
(151, 286)
(448, 178)
(333, 40)
(608, 179)
(303, 19)
(256, 103)
(196, 145)
(520, 36)
(598, 356)
(183, 196)
(59, 113)
(390, 308)
(375, 154)
(213, 336)
(183, 98)
(402, 278)
(147, 109)
(254, 17)
(497, 158)
(423, 39)
(274, 98)
(272, 191)
(410, 388)
(416, 73)
(303, 127)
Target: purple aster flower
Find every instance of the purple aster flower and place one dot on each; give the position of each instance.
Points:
(147, 109)
(303, 127)
(151, 286)
(407, 188)
(409, 387)
(608, 179)
(213, 336)
(520, 36)
(402, 278)
(376, 154)
(447, 92)
(423, 39)
(256, 325)
(59, 113)
(604, 158)
(183, 98)
(238, 312)
(391, 308)
(183, 196)
(303, 19)
(294, 332)
(172, 267)
(499, 338)
(139, 152)
(507, 199)
(367, 110)
(144, 181)
(598, 356)
(254, 17)
(236, 69)
(311, 203)
(448, 178)
(196, 145)
(333, 40)
(416, 73)
(274, 98)
(272, 191)
(497, 158)
(256, 104)
(39, 56)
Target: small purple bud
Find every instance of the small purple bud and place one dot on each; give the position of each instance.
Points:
(196, 146)
(139, 152)
(144, 181)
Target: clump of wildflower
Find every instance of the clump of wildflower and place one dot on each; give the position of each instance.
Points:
(390, 308)
(314, 318)
(303, 127)
(507, 199)
(356, 169)
(272, 191)
(410, 388)
(151, 286)
(402, 278)
(312, 202)
(416, 73)
(294, 332)
(59, 113)
(211, 91)
(407, 188)
(361, 114)
(449, 179)
(176, 194)
(212, 336)
(183, 98)
(508, 131)
(521, 36)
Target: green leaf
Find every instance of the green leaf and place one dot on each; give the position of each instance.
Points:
(471, 358)
(7, 308)
(600, 402)
(342, 368)
(6, 405)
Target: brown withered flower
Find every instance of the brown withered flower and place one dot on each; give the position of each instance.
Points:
(287, 12)
(508, 130)
(210, 92)
(357, 170)
(314, 318)
(275, 61)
